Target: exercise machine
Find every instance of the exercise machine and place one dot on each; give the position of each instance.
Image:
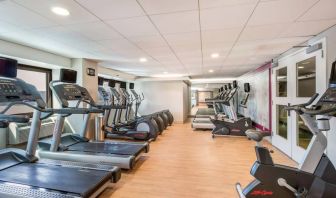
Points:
(315, 175)
(75, 146)
(140, 129)
(22, 174)
(231, 123)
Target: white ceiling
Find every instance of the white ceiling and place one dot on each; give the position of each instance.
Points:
(176, 36)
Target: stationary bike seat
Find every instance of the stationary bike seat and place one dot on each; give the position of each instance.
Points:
(255, 135)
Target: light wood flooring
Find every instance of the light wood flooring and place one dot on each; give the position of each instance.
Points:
(185, 163)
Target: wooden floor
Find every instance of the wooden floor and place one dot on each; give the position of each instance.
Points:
(186, 163)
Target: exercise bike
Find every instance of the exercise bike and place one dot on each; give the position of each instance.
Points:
(316, 175)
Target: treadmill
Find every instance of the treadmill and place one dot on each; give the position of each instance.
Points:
(76, 147)
(21, 173)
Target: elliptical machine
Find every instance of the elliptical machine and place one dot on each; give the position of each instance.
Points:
(140, 129)
(158, 117)
(316, 175)
(230, 123)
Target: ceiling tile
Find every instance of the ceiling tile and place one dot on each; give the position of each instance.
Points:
(17, 15)
(220, 36)
(324, 9)
(177, 22)
(113, 9)
(225, 17)
(118, 44)
(190, 38)
(147, 42)
(95, 31)
(280, 11)
(220, 3)
(77, 13)
(160, 52)
(164, 6)
(264, 32)
(217, 47)
(188, 50)
(307, 28)
(132, 27)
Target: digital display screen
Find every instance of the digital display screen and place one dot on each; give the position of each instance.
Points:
(123, 85)
(100, 81)
(8, 67)
(131, 85)
(112, 83)
(68, 76)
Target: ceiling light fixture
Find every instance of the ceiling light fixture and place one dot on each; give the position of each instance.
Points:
(142, 60)
(301, 67)
(60, 11)
(214, 55)
(165, 72)
(211, 70)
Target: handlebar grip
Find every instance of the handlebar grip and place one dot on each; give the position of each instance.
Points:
(318, 112)
(311, 100)
(14, 118)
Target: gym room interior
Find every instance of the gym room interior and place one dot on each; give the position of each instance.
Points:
(167, 98)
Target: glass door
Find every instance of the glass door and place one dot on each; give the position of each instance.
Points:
(281, 122)
(301, 76)
(310, 78)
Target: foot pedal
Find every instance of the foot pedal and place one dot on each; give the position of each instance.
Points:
(240, 190)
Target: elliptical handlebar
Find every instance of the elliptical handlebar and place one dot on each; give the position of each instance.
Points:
(14, 118)
(318, 111)
(302, 107)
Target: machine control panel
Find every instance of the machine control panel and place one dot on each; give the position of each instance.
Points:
(17, 90)
(71, 92)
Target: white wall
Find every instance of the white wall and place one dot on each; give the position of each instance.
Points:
(31, 56)
(162, 95)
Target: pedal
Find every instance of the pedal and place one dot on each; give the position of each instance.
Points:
(283, 183)
(240, 190)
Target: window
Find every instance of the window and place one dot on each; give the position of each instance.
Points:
(281, 82)
(306, 77)
(39, 77)
(282, 121)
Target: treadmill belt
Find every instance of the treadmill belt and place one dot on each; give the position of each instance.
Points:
(71, 180)
(110, 148)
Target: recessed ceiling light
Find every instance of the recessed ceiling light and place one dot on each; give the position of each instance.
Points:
(165, 72)
(214, 55)
(301, 67)
(60, 11)
(211, 70)
(143, 60)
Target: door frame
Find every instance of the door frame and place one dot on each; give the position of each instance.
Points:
(289, 146)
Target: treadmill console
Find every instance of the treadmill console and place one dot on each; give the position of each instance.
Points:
(14, 90)
(328, 100)
(71, 92)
